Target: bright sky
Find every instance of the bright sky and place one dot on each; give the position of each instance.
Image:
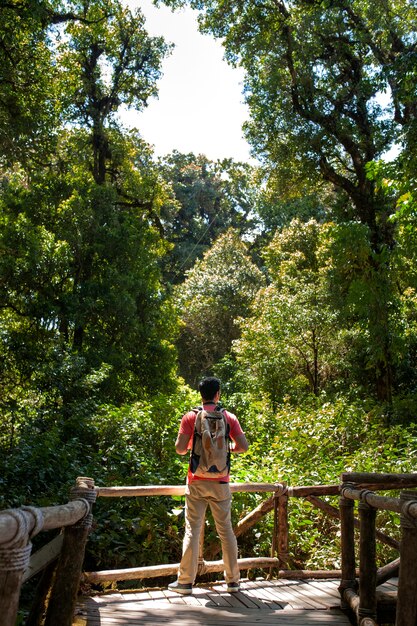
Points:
(200, 106)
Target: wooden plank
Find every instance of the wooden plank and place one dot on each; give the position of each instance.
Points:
(286, 619)
(234, 599)
(290, 618)
(323, 599)
(281, 620)
(43, 557)
(247, 601)
(390, 584)
(329, 588)
(298, 589)
(219, 617)
(371, 477)
(281, 598)
(53, 517)
(268, 587)
(250, 599)
(158, 571)
(285, 592)
(107, 598)
(206, 598)
(210, 604)
(179, 490)
(174, 598)
(256, 603)
(260, 595)
(307, 597)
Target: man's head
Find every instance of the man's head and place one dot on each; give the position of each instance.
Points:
(209, 388)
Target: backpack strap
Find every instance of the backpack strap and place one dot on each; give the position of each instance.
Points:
(195, 410)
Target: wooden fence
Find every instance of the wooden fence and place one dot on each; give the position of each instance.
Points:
(18, 526)
(362, 595)
(358, 593)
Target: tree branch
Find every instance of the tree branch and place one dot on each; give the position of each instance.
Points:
(148, 206)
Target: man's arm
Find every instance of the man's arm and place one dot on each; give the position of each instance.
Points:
(181, 444)
(240, 444)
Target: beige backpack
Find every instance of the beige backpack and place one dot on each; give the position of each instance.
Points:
(210, 454)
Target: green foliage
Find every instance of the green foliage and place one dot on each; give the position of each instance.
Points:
(29, 94)
(135, 446)
(81, 274)
(364, 292)
(315, 74)
(217, 290)
(80, 232)
(289, 344)
(310, 444)
(208, 198)
(108, 59)
(95, 235)
(313, 71)
(128, 445)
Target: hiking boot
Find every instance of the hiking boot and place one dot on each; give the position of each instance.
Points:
(233, 587)
(185, 589)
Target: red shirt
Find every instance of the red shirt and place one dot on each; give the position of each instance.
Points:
(187, 428)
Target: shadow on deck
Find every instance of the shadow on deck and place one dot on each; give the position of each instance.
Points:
(266, 602)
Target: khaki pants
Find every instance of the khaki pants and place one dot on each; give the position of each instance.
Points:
(199, 494)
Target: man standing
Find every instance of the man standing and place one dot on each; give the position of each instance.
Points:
(203, 491)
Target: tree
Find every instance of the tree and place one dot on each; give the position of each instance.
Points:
(396, 180)
(207, 199)
(315, 72)
(80, 277)
(83, 307)
(32, 98)
(291, 344)
(29, 103)
(217, 291)
(109, 63)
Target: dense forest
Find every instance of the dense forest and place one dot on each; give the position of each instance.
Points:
(126, 277)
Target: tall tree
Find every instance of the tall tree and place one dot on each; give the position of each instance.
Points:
(315, 76)
(291, 344)
(209, 197)
(217, 291)
(29, 107)
(108, 62)
(82, 301)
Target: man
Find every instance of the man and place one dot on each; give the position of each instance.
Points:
(201, 492)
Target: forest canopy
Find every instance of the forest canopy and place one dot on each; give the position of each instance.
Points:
(125, 277)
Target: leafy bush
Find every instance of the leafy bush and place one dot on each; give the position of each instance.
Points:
(128, 445)
(313, 444)
(134, 445)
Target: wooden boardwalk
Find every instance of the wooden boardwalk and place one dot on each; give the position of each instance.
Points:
(265, 602)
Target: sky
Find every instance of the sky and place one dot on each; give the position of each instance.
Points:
(200, 107)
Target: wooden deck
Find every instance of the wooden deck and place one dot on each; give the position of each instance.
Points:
(266, 602)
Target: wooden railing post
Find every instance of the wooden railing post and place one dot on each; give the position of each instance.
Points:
(348, 565)
(367, 566)
(64, 591)
(274, 542)
(407, 584)
(14, 560)
(283, 555)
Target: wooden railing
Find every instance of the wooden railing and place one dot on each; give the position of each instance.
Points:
(18, 527)
(362, 595)
(204, 567)
(358, 593)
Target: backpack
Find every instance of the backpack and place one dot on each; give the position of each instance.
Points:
(210, 454)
